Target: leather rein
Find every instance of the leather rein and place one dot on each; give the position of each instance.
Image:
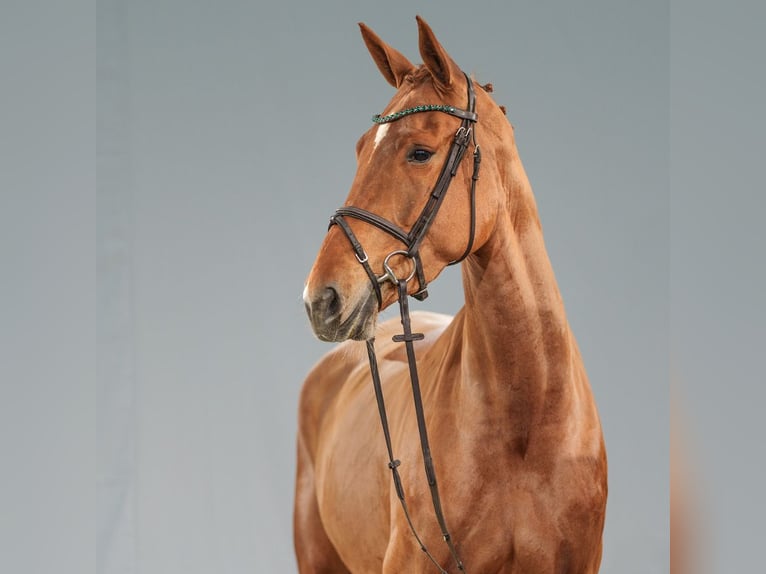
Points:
(412, 241)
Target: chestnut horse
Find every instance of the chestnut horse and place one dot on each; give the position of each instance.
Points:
(515, 435)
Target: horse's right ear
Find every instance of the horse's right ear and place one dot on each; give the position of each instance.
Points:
(392, 64)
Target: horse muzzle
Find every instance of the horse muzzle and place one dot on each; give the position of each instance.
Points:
(335, 318)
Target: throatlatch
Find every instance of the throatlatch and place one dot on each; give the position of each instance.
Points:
(412, 240)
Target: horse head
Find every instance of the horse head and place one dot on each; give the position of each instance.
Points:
(399, 221)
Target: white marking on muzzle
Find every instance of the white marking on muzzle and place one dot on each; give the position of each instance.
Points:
(306, 294)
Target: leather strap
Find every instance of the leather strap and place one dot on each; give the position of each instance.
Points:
(393, 463)
(431, 208)
(361, 254)
(379, 222)
(408, 338)
(472, 232)
(464, 114)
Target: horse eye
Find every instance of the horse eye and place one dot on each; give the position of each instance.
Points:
(420, 156)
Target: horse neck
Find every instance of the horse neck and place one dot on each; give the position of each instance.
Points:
(516, 340)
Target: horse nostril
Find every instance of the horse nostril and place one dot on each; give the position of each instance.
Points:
(324, 309)
(331, 302)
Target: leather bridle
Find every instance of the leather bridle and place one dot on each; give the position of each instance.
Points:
(412, 241)
(413, 238)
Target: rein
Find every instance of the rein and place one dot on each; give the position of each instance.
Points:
(412, 240)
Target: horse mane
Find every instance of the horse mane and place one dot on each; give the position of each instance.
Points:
(418, 75)
(421, 74)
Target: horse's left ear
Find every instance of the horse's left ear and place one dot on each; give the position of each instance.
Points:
(443, 68)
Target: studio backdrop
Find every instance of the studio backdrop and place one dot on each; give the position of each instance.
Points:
(226, 135)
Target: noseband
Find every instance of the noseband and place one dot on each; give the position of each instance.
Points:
(412, 241)
(413, 238)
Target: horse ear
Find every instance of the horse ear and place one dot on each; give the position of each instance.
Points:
(443, 68)
(391, 63)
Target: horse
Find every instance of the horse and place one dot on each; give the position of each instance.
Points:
(515, 436)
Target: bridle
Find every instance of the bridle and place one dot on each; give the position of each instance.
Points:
(412, 240)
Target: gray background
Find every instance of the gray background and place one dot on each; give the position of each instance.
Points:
(226, 134)
(718, 279)
(213, 137)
